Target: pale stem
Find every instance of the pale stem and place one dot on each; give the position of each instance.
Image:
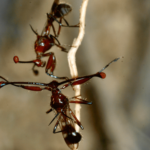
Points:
(72, 55)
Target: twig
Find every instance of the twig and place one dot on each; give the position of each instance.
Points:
(72, 53)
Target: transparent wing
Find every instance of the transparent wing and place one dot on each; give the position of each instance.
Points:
(71, 137)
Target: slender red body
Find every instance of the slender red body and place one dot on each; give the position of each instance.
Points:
(46, 41)
(60, 103)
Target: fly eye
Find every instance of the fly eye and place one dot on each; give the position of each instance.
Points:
(102, 75)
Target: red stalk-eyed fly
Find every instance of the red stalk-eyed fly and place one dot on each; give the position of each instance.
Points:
(58, 10)
(45, 41)
(60, 103)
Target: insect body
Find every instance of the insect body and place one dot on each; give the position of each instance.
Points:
(66, 117)
(45, 41)
(60, 103)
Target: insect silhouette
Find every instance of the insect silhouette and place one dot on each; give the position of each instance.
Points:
(58, 11)
(60, 103)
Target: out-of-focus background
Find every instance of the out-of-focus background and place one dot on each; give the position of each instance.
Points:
(119, 117)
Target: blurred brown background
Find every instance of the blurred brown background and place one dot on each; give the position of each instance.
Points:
(119, 117)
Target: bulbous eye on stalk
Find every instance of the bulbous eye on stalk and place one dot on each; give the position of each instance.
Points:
(101, 75)
(16, 59)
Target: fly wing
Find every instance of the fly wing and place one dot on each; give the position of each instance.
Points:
(54, 6)
(63, 9)
(69, 133)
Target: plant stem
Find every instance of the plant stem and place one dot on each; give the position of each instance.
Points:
(72, 55)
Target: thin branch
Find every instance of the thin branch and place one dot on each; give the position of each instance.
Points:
(72, 54)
